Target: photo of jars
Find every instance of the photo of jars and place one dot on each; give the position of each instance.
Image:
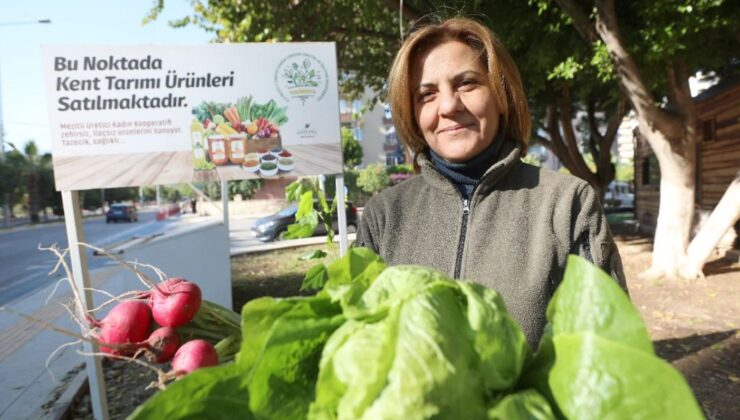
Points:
(244, 133)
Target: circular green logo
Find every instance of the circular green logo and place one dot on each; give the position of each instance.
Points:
(301, 76)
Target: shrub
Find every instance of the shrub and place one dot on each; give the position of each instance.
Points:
(373, 179)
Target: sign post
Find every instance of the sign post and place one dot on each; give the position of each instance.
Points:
(225, 202)
(341, 214)
(81, 274)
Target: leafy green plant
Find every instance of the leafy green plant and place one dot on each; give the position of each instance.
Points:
(351, 149)
(373, 179)
(306, 192)
(406, 341)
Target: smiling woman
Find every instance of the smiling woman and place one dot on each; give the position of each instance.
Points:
(453, 103)
(477, 211)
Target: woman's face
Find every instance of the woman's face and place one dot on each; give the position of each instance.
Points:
(454, 106)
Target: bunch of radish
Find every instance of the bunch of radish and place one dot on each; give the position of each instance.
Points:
(167, 322)
(127, 329)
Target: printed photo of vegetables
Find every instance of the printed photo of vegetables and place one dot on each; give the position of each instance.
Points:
(244, 133)
(258, 121)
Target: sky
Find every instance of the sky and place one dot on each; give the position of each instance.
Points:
(23, 102)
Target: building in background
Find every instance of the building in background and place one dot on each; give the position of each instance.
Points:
(623, 149)
(373, 129)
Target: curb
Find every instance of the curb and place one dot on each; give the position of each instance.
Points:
(295, 243)
(61, 409)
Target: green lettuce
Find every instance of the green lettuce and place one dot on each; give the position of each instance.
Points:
(420, 345)
(380, 342)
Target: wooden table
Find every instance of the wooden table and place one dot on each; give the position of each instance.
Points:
(140, 169)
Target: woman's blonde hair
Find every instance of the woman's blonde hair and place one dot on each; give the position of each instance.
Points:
(503, 76)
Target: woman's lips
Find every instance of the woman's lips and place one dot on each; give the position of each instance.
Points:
(454, 128)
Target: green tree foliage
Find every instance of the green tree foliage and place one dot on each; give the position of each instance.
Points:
(172, 193)
(246, 188)
(11, 185)
(351, 149)
(366, 31)
(30, 168)
(625, 172)
(373, 179)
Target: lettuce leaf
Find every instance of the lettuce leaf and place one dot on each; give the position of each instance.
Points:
(598, 378)
(596, 360)
(589, 300)
(419, 345)
(523, 405)
(210, 393)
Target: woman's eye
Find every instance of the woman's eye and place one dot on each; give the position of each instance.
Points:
(425, 96)
(468, 83)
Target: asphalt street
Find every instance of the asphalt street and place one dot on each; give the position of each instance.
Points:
(25, 269)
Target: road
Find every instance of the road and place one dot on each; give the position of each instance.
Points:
(24, 268)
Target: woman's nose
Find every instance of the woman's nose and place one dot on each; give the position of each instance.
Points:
(449, 103)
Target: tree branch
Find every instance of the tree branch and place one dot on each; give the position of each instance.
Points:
(365, 32)
(580, 169)
(581, 21)
(594, 137)
(409, 13)
(558, 147)
(678, 83)
(630, 77)
(604, 167)
(546, 143)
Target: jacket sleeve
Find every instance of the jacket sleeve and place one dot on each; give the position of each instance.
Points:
(367, 231)
(592, 238)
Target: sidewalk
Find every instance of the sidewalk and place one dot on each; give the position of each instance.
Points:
(25, 384)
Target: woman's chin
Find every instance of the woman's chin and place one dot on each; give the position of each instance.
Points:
(458, 154)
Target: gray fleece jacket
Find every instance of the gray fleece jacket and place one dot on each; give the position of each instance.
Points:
(513, 236)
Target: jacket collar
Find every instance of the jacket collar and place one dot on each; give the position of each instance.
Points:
(507, 158)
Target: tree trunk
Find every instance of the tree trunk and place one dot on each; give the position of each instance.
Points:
(33, 197)
(723, 217)
(672, 138)
(676, 209)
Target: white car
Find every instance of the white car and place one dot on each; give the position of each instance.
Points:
(619, 195)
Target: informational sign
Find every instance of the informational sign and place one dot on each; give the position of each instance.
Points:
(146, 115)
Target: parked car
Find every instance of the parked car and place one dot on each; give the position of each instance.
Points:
(619, 196)
(269, 228)
(118, 212)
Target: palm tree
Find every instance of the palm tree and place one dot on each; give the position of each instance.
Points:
(32, 168)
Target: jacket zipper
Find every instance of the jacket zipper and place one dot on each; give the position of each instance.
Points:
(461, 244)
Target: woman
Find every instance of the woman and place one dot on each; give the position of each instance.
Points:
(476, 211)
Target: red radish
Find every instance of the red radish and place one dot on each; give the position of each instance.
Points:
(126, 324)
(164, 342)
(193, 355)
(175, 302)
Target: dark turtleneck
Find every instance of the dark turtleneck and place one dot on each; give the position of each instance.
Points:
(467, 175)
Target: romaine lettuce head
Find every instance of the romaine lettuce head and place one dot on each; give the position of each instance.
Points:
(424, 346)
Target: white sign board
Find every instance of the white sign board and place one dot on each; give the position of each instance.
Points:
(146, 115)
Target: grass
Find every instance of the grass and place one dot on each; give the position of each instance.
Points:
(277, 273)
(618, 217)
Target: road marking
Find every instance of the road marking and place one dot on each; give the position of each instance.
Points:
(127, 232)
(24, 279)
(22, 331)
(39, 266)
